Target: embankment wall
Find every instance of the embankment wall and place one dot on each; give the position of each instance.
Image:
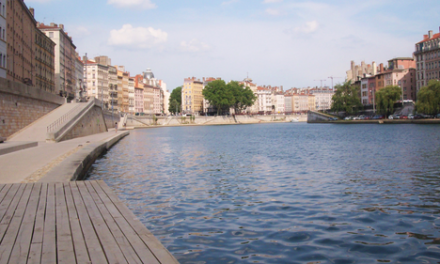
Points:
(20, 105)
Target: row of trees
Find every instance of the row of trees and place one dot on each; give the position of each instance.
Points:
(347, 98)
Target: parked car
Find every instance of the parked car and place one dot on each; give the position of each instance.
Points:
(437, 116)
(396, 116)
(348, 118)
(332, 119)
(403, 117)
(391, 117)
(410, 116)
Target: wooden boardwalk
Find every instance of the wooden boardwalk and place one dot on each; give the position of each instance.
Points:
(74, 222)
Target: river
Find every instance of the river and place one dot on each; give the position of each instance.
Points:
(284, 193)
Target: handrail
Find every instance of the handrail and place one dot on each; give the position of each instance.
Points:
(57, 123)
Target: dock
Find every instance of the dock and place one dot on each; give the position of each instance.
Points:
(72, 222)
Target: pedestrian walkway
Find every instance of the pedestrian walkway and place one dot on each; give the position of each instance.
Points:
(20, 166)
(37, 131)
(73, 222)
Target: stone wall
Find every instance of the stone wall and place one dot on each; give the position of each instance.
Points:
(20, 105)
(110, 118)
(91, 123)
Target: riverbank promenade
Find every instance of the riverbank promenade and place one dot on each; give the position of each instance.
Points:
(48, 216)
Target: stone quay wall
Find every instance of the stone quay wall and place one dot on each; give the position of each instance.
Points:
(20, 105)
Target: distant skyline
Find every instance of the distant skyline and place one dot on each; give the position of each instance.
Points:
(276, 42)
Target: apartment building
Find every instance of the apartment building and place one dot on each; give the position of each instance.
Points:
(356, 72)
(65, 57)
(45, 62)
(96, 77)
(264, 100)
(427, 55)
(303, 102)
(139, 93)
(323, 98)
(79, 77)
(113, 88)
(20, 33)
(192, 97)
(131, 106)
(278, 103)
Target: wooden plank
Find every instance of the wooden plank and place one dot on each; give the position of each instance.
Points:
(111, 248)
(79, 243)
(124, 244)
(160, 252)
(23, 242)
(49, 250)
(65, 252)
(138, 245)
(15, 223)
(37, 238)
(4, 206)
(96, 252)
(3, 198)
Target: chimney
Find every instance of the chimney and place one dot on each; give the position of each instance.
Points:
(62, 26)
(52, 24)
(32, 11)
(38, 24)
(374, 68)
(430, 34)
(381, 67)
(425, 37)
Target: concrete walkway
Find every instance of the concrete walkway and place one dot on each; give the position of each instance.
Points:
(37, 131)
(33, 164)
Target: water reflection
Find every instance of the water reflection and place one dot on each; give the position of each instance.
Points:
(284, 193)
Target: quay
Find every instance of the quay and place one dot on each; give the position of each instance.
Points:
(48, 214)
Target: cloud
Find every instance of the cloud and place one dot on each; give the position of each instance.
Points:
(139, 37)
(309, 27)
(144, 4)
(194, 46)
(272, 1)
(229, 2)
(272, 12)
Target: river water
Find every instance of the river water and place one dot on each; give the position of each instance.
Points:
(284, 193)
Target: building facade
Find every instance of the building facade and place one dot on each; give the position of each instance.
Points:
(427, 55)
(45, 62)
(192, 97)
(65, 57)
(96, 81)
(113, 88)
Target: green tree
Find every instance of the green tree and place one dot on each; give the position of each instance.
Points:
(346, 98)
(219, 95)
(175, 100)
(386, 97)
(243, 96)
(428, 98)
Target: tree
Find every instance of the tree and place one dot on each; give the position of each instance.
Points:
(219, 95)
(243, 96)
(386, 97)
(428, 98)
(346, 98)
(175, 100)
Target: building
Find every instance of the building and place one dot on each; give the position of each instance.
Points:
(113, 88)
(403, 75)
(278, 103)
(123, 94)
(427, 55)
(323, 98)
(79, 77)
(45, 62)
(3, 43)
(288, 104)
(65, 57)
(192, 97)
(20, 36)
(96, 80)
(131, 108)
(303, 102)
(368, 88)
(139, 93)
(356, 72)
(264, 100)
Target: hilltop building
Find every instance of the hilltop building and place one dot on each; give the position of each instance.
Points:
(356, 72)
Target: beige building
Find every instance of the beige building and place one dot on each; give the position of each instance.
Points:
(303, 102)
(96, 80)
(65, 57)
(113, 88)
(427, 56)
(45, 62)
(192, 97)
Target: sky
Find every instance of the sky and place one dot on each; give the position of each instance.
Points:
(274, 42)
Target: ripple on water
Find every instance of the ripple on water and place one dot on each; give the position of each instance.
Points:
(284, 193)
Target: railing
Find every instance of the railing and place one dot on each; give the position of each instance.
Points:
(52, 127)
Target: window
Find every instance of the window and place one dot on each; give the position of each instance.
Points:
(50, 34)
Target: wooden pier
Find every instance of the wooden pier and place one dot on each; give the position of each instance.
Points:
(73, 222)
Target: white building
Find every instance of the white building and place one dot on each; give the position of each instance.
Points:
(279, 102)
(96, 80)
(3, 44)
(131, 105)
(264, 99)
(323, 98)
(79, 75)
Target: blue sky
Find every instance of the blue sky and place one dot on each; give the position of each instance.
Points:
(277, 42)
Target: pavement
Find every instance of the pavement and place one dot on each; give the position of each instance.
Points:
(34, 163)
